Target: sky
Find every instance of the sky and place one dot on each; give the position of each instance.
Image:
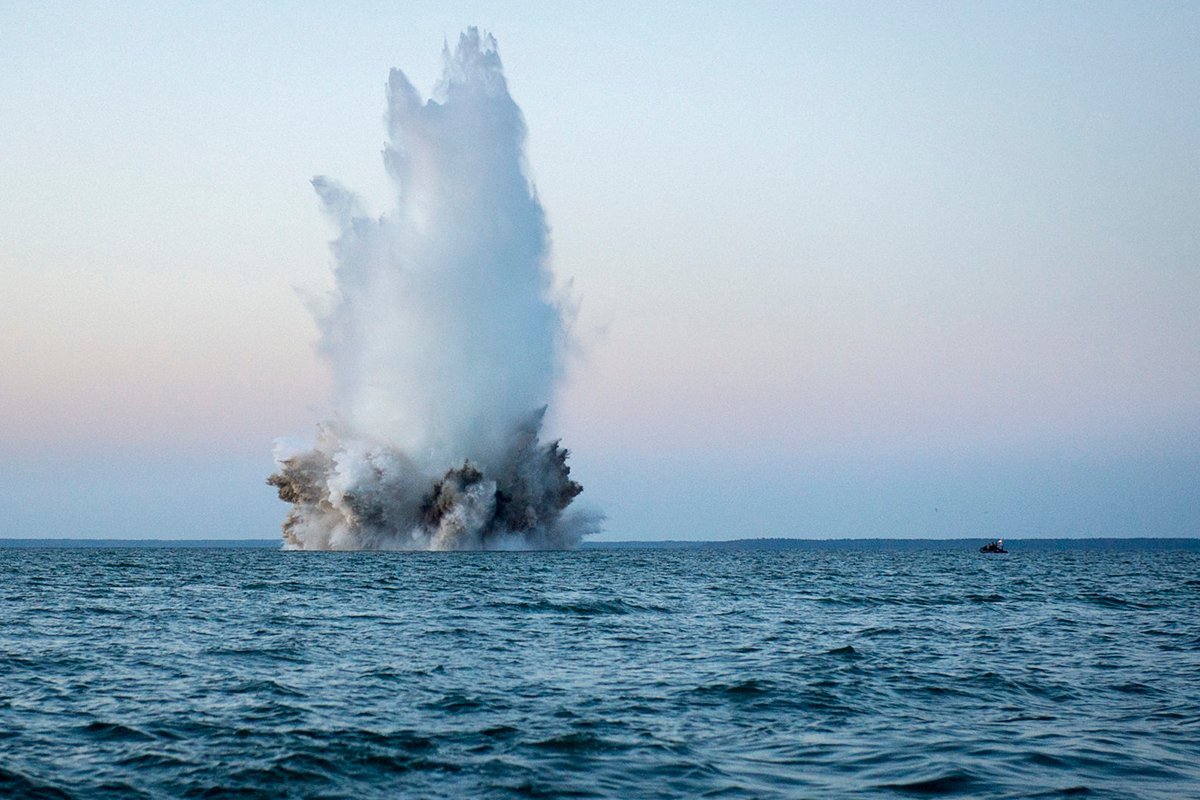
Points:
(916, 270)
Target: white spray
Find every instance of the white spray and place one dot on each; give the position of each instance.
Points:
(444, 340)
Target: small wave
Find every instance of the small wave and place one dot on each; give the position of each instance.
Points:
(936, 690)
(499, 731)
(356, 739)
(747, 688)
(115, 731)
(400, 763)
(120, 789)
(266, 686)
(22, 662)
(873, 632)
(1135, 687)
(1029, 718)
(845, 652)
(1070, 791)
(1161, 632)
(1112, 601)
(257, 781)
(307, 764)
(266, 653)
(586, 608)
(457, 702)
(949, 783)
(105, 611)
(14, 784)
(846, 601)
(577, 742)
(1047, 760)
(388, 674)
(152, 760)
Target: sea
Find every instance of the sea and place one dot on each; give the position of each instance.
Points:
(221, 672)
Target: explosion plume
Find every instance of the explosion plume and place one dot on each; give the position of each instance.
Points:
(444, 339)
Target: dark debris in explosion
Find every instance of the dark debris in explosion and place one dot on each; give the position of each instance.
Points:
(390, 504)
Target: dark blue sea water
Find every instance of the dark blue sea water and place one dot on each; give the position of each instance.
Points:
(618, 674)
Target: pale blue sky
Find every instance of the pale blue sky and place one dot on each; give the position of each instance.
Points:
(876, 269)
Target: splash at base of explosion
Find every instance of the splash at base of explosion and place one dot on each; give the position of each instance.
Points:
(349, 495)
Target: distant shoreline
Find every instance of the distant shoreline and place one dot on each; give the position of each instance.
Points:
(1128, 544)
(1158, 543)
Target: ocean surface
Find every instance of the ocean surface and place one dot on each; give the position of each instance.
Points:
(211, 673)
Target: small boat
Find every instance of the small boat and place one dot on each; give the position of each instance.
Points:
(994, 546)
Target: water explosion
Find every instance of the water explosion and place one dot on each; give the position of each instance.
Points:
(444, 339)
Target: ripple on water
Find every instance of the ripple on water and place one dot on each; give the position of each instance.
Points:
(948, 783)
(597, 674)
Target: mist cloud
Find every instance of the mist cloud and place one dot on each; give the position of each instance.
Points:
(444, 339)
